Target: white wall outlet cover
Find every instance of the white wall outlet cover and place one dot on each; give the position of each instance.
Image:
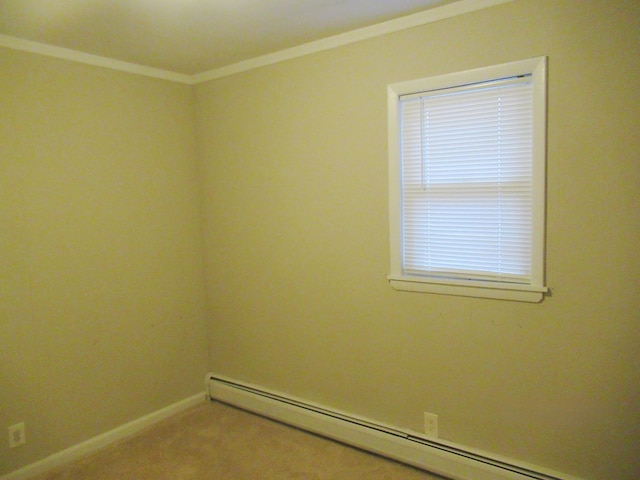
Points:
(17, 435)
(431, 424)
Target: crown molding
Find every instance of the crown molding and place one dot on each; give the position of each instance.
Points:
(403, 23)
(90, 59)
(432, 15)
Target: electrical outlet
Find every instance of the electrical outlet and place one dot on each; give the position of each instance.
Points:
(431, 424)
(17, 435)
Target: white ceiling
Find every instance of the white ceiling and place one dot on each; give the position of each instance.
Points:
(192, 36)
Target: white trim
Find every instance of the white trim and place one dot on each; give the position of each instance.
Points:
(89, 59)
(460, 288)
(539, 168)
(103, 440)
(431, 15)
(403, 23)
(438, 456)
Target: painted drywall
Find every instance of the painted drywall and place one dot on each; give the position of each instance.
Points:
(101, 282)
(101, 279)
(296, 243)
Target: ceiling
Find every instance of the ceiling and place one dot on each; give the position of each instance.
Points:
(192, 36)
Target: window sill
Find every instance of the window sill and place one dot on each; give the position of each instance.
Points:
(500, 291)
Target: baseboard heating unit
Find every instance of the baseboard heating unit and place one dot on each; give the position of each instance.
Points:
(440, 457)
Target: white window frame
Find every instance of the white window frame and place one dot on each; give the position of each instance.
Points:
(534, 290)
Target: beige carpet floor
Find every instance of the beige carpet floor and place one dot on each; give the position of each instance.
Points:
(216, 441)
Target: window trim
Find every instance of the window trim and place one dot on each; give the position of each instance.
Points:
(531, 292)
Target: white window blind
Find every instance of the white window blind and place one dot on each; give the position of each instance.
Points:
(467, 182)
(466, 161)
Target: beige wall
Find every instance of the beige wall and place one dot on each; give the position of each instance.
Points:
(297, 250)
(101, 280)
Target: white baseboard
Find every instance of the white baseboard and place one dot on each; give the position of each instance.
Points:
(103, 440)
(441, 457)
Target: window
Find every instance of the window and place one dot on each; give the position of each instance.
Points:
(467, 182)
